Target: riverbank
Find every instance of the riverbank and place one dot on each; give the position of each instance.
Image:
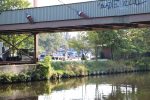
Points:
(101, 67)
(47, 69)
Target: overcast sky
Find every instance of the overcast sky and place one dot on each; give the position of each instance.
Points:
(55, 2)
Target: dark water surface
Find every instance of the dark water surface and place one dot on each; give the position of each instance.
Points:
(135, 86)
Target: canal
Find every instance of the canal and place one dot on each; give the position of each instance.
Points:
(133, 86)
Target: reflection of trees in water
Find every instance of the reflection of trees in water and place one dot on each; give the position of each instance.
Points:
(137, 79)
(24, 90)
(117, 93)
(69, 83)
(97, 93)
(123, 87)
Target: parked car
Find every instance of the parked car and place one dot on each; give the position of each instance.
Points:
(42, 56)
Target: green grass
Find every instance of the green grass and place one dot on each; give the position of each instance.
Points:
(47, 69)
(92, 66)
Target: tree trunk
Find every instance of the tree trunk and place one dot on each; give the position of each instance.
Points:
(112, 56)
(96, 53)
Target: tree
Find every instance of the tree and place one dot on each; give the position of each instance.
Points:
(146, 39)
(13, 39)
(80, 43)
(13, 4)
(123, 42)
(139, 40)
(109, 38)
(51, 41)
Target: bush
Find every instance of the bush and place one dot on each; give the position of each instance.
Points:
(14, 78)
(5, 78)
(22, 77)
(42, 72)
(35, 76)
(44, 68)
(143, 62)
(46, 62)
(75, 69)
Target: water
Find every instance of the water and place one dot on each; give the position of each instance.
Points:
(135, 86)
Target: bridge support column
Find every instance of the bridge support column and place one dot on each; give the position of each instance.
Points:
(35, 47)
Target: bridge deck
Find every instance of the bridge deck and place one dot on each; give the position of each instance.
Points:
(107, 14)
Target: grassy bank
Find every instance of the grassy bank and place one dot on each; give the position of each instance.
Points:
(102, 66)
(47, 69)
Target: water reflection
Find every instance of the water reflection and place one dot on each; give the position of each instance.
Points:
(91, 92)
(114, 87)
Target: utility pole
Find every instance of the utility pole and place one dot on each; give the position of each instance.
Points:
(35, 3)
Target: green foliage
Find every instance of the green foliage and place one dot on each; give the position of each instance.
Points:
(44, 69)
(51, 41)
(5, 78)
(46, 62)
(22, 77)
(35, 76)
(112, 39)
(70, 68)
(123, 43)
(80, 43)
(13, 4)
(59, 65)
(103, 65)
(76, 68)
(14, 78)
(40, 73)
(60, 72)
(32, 88)
(140, 39)
(13, 39)
(143, 62)
(73, 70)
(76, 44)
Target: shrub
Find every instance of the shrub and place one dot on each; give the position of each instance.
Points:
(40, 73)
(46, 62)
(46, 68)
(35, 76)
(75, 69)
(22, 77)
(143, 62)
(5, 78)
(14, 78)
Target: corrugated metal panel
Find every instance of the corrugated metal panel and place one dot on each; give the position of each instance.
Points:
(64, 12)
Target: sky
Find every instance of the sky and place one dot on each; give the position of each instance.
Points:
(55, 2)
